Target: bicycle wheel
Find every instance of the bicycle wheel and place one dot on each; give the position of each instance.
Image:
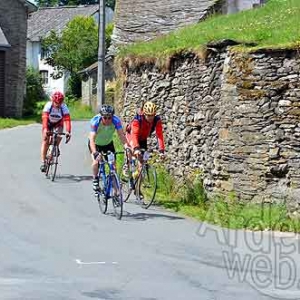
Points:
(117, 199)
(147, 185)
(53, 165)
(48, 163)
(126, 186)
(102, 201)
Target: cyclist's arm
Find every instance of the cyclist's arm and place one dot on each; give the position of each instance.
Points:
(92, 138)
(135, 131)
(122, 137)
(160, 136)
(45, 119)
(67, 118)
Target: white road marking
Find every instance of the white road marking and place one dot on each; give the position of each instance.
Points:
(79, 262)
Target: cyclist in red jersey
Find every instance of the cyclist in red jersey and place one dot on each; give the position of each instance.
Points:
(54, 115)
(141, 127)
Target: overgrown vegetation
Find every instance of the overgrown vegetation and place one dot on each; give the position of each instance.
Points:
(34, 92)
(54, 3)
(189, 198)
(9, 123)
(274, 25)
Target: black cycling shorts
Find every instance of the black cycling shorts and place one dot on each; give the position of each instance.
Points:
(105, 148)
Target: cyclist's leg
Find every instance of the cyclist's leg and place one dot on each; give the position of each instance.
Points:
(128, 157)
(44, 149)
(95, 168)
(144, 146)
(60, 128)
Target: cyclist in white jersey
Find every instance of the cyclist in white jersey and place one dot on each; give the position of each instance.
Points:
(103, 126)
(55, 115)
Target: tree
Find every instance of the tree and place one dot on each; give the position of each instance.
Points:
(47, 3)
(51, 3)
(75, 49)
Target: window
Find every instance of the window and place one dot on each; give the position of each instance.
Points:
(44, 53)
(44, 76)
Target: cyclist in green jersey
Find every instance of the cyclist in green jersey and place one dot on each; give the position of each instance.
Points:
(103, 126)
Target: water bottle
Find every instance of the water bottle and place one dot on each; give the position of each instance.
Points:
(111, 157)
(146, 155)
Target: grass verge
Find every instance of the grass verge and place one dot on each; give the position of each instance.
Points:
(189, 198)
(274, 25)
(78, 111)
(9, 123)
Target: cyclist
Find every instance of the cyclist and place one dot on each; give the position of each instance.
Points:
(141, 127)
(54, 115)
(103, 126)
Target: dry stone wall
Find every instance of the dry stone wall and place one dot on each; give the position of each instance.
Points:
(234, 116)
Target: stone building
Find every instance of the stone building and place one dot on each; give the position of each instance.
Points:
(233, 6)
(13, 32)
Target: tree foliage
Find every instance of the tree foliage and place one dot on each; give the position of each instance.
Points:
(34, 91)
(51, 3)
(77, 46)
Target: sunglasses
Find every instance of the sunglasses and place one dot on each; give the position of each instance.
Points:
(150, 116)
(107, 117)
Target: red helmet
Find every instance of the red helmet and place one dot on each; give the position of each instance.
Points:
(57, 97)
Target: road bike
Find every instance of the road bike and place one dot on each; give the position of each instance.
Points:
(109, 183)
(141, 178)
(52, 154)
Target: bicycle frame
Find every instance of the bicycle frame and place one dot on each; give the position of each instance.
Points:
(51, 159)
(111, 188)
(105, 178)
(137, 184)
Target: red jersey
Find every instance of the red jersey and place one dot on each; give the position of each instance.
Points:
(140, 130)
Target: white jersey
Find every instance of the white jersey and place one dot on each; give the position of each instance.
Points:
(56, 114)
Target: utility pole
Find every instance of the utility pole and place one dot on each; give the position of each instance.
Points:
(101, 55)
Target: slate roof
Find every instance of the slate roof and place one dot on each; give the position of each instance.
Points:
(41, 22)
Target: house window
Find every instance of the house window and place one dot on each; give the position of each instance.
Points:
(44, 76)
(44, 53)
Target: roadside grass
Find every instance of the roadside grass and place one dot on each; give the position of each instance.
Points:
(189, 198)
(273, 25)
(9, 122)
(78, 111)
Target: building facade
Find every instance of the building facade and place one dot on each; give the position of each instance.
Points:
(13, 24)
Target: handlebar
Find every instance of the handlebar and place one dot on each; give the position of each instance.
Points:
(50, 133)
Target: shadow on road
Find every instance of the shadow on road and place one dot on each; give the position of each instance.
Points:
(74, 178)
(146, 216)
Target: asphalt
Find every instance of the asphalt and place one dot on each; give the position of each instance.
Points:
(56, 245)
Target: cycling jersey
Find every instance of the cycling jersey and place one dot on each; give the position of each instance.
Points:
(104, 133)
(140, 130)
(55, 116)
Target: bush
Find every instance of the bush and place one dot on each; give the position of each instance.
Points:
(34, 92)
(108, 33)
(74, 86)
(193, 190)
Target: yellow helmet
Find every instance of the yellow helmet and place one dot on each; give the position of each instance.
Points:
(149, 108)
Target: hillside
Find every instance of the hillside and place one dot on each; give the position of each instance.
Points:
(275, 25)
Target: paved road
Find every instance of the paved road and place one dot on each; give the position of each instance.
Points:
(54, 243)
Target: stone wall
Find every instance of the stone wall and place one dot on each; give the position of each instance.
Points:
(14, 25)
(234, 116)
